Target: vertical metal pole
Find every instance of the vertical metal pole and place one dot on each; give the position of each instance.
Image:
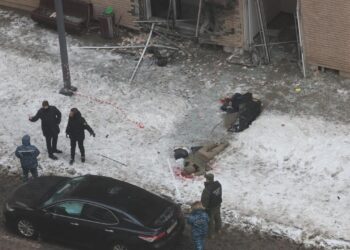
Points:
(169, 13)
(250, 35)
(301, 40)
(262, 21)
(174, 12)
(297, 35)
(199, 17)
(67, 88)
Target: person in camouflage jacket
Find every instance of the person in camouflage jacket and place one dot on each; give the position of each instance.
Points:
(198, 219)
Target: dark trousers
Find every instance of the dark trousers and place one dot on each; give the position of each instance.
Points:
(214, 220)
(33, 171)
(51, 143)
(73, 144)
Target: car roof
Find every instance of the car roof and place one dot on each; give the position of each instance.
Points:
(121, 195)
(103, 189)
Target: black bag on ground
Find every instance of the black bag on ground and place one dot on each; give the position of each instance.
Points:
(249, 111)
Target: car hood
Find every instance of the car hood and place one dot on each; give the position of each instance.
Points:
(30, 195)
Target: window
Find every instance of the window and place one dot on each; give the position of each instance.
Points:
(65, 189)
(68, 208)
(98, 214)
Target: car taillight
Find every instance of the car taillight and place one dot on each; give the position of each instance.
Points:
(153, 237)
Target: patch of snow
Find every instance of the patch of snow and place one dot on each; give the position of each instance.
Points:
(284, 175)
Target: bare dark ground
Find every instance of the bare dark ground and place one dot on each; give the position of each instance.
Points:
(229, 240)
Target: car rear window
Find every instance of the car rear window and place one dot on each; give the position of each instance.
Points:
(142, 205)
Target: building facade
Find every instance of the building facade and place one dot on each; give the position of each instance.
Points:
(324, 24)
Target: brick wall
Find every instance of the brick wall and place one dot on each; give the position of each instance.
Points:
(326, 31)
(230, 21)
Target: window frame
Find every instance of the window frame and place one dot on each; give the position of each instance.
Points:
(46, 210)
(104, 208)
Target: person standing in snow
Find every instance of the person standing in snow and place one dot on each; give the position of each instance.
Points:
(28, 156)
(198, 219)
(211, 200)
(50, 119)
(75, 131)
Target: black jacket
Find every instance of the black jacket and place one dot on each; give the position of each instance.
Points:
(76, 126)
(50, 120)
(212, 195)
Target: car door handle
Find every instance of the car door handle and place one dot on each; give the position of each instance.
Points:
(74, 224)
(109, 230)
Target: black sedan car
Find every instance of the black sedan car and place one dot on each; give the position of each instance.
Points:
(96, 211)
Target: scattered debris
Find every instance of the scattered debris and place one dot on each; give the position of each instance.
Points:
(126, 47)
(121, 163)
(247, 59)
(143, 53)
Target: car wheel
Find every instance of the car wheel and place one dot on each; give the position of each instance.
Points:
(120, 246)
(26, 229)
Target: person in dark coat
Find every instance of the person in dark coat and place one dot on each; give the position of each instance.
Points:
(28, 156)
(50, 119)
(198, 219)
(211, 200)
(76, 132)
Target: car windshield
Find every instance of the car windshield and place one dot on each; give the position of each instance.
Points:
(65, 189)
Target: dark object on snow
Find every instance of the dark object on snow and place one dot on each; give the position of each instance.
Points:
(248, 113)
(180, 153)
(76, 131)
(77, 14)
(244, 108)
(160, 60)
(109, 158)
(104, 203)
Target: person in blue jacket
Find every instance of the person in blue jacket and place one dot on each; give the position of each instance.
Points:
(28, 155)
(199, 220)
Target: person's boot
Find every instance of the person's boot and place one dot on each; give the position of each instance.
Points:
(83, 159)
(71, 161)
(57, 151)
(53, 157)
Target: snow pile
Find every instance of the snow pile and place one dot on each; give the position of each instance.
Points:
(291, 171)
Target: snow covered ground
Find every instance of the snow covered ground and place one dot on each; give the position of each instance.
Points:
(287, 174)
